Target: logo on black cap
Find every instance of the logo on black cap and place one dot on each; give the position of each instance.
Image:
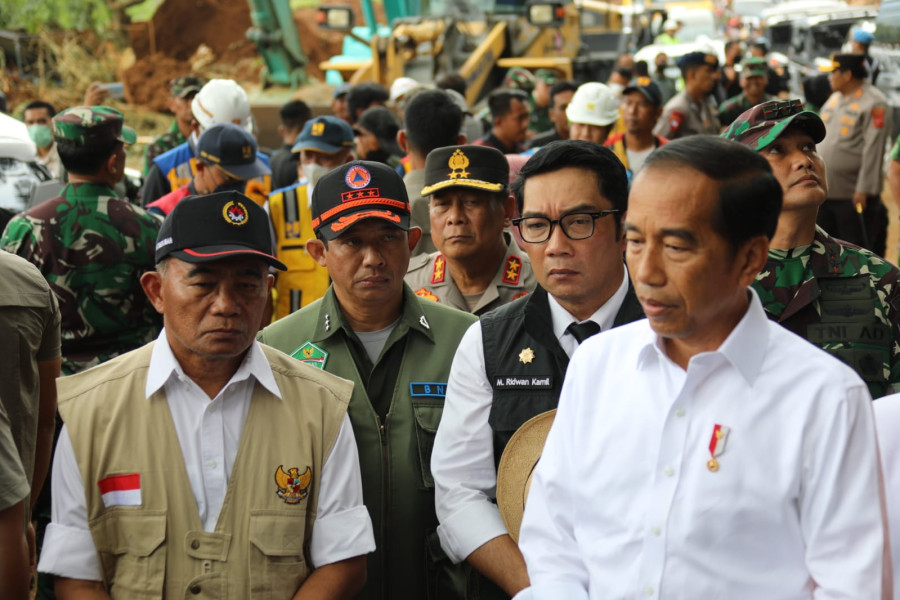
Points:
(235, 213)
(458, 163)
(357, 177)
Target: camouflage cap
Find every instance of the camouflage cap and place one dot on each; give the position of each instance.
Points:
(182, 86)
(755, 67)
(519, 78)
(758, 127)
(548, 76)
(88, 125)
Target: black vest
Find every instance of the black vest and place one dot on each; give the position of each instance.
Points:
(525, 363)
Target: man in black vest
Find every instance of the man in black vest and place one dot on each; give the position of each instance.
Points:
(510, 366)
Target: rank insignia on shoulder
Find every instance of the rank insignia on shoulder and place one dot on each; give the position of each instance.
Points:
(526, 356)
(311, 354)
(293, 486)
(439, 272)
(428, 294)
(512, 271)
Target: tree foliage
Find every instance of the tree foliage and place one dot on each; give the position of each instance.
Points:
(36, 15)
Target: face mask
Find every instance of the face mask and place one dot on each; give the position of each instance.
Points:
(314, 173)
(41, 135)
(616, 89)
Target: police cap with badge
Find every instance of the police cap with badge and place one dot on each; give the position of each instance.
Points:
(357, 191)
(477, 167)
(219, 226)
(324, 134)
(86, 126)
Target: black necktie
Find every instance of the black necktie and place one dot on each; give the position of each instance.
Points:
(582, 331)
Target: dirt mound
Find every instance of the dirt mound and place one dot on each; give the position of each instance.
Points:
(179, 27)
(146, 81)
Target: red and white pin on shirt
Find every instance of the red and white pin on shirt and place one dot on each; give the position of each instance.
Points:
(717, 446)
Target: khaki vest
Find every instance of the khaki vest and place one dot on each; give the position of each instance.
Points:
(305, 280)
(260, 547)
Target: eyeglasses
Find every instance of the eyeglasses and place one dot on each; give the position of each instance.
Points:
(576, 226)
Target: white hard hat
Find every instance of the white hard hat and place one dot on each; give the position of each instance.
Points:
(593, 104)
(669, 25)
(402, 86)
(222, 101)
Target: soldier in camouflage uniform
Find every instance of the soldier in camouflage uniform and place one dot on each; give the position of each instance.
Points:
(91, 246)
(181, 91)
(754, 77)
(836, 295)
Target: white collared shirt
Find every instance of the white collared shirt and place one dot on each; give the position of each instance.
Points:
(209, 432)
(624, 503)
(462, 461)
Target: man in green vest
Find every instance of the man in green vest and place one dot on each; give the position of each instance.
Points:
(264, 498)
(396, 348)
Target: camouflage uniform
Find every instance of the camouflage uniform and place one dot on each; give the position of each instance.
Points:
(180, 87)
(841, 298)
(732, 108)
(163, 144)
(92, 248)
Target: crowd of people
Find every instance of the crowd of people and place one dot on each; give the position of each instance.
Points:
(316, 372)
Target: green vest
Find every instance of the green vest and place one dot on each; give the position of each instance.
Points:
(394, 456)
(260, 547)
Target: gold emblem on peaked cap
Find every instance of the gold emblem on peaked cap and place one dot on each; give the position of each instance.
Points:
(247, 151)
(458, 163)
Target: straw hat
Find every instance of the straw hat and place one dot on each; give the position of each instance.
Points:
(517, 468)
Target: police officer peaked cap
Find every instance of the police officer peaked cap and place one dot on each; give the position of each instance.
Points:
(478, 167)
(223, 225)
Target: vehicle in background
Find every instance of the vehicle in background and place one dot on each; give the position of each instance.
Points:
(885, 49)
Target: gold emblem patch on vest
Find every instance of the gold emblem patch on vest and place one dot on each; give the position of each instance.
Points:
(293, 486)
(311, 354)
(526, 356)
(425, 293)
(512, 271)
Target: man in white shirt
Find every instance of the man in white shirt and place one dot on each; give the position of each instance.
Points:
(132, 515)
(571, 195)
(706, 452)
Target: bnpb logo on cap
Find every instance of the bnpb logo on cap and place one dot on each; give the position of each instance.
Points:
(235, 213)
(357, 177)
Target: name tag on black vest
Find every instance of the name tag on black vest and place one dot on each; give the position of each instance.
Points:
(517, 382)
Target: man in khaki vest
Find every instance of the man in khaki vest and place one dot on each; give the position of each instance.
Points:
(264, 499)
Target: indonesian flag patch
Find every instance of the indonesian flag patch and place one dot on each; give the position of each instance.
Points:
(121, 490)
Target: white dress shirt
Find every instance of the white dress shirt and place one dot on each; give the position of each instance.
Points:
(209, 431)
(887, 422)
(462, 461)
(623, 503)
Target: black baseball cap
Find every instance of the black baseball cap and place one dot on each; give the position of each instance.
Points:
(478, 167)
(324, 134)
(355, 191)
(648, 88)
(222, 225)
(232, 149)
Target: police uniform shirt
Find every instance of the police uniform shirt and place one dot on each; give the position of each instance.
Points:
(682, 117)
(856, 129)
(752, 474)
(462, 461)
(429, 277)
(209, 431)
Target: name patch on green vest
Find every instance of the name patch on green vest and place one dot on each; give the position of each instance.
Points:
(425, 388)
(311, 354)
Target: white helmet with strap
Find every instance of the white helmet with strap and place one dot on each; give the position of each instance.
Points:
(222, 101)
